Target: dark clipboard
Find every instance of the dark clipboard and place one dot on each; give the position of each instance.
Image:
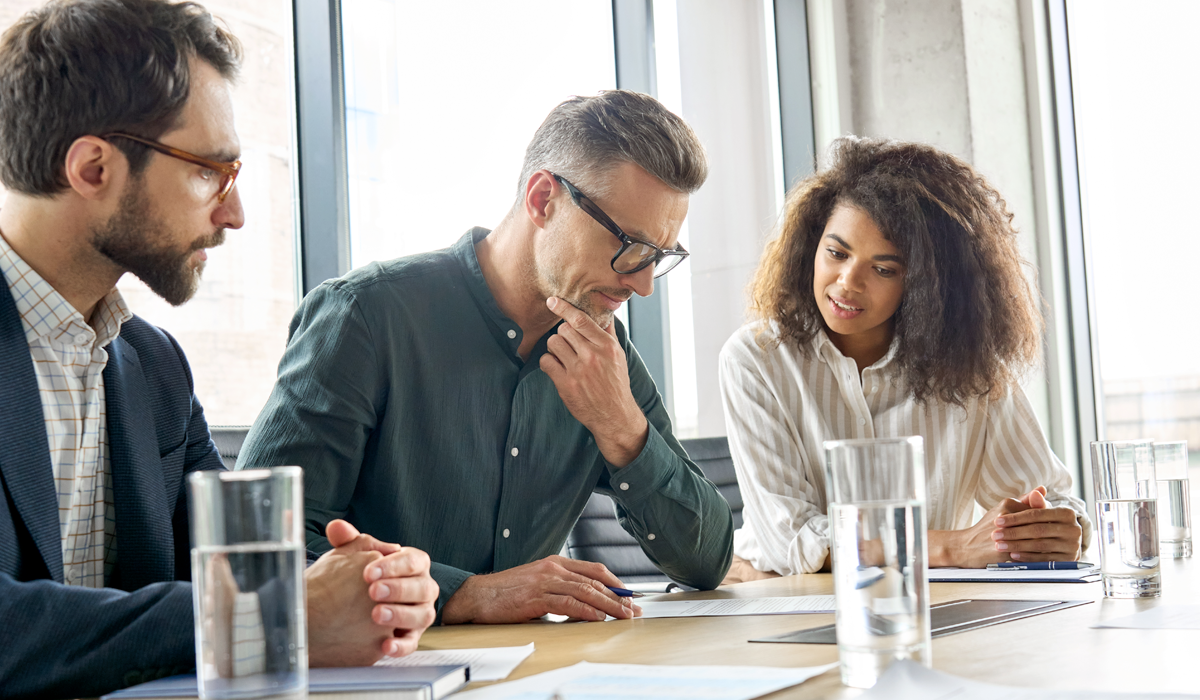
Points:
(946, 618)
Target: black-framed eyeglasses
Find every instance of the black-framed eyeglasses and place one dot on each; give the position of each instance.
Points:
(633, 255)
(228, 171)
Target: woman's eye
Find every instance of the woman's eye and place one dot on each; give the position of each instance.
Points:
(836, 254)
(884, 272)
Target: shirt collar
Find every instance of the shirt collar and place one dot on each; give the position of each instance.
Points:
(500, 324)
(46, 314)
(821, 344)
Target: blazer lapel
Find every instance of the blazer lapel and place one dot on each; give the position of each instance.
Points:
(145, 549)
(24, 447)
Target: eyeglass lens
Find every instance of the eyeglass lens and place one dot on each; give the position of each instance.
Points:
(638, 255)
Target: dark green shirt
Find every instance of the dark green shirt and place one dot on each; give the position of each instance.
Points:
(402, 396)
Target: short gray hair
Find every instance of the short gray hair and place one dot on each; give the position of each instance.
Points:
(583, 138)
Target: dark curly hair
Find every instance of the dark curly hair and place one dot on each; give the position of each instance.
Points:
(969, 323)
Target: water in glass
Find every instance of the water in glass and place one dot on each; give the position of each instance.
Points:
(250, 621)
(1128, 532)
(1174, 521)
(881, 587)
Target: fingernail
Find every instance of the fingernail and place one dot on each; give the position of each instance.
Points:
(376, 573)
(1001, 545)
(551, 302)
(395, 650)
(382, 591)
(998, 535)
(1015, 555)
(999, 521)
(385, 615)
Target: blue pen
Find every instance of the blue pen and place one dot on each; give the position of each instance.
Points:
(1040, 566)
(625, 592)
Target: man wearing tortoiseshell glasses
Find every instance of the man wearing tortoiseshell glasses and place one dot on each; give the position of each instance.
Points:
(468, 401)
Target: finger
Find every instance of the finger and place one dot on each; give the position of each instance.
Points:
(1037, 499)
(403, 617)
(573, 608)
(591, 570)
(1046, 546)
(401, 644)
(1044, 556)
(414, 589)
(595, 595)
(1043, 515)
(573, 338)
(339, 533)
(1038, 531)
(406, 561)
(578, 320)
(561, 349)
(551, 365)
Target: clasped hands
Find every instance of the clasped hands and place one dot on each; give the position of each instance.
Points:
(1019, 530)
(366, 599)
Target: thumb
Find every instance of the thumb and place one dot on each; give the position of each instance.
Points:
(340, 532)
(1037, 497)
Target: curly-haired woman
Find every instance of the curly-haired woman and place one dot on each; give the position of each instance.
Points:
(892, 303)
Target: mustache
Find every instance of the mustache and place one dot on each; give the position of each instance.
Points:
(618, 294)
(212, 241)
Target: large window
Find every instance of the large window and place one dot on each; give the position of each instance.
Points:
(441, 100)
(1135, 107)
(235, 328)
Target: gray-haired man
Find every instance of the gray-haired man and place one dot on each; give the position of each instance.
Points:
(469, 400)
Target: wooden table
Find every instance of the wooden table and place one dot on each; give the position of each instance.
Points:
(1054, 650)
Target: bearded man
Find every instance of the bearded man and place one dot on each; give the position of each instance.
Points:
(118, 150)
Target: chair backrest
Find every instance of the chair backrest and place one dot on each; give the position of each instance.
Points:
(598, 537)
(229, 439)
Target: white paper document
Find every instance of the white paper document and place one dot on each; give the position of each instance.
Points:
(908, 680)
(586, 680)
(1018, 576)
(737, 606)
(1163, 617)
(492, 664)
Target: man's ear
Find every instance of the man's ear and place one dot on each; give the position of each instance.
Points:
(94, 168)
(538, 190)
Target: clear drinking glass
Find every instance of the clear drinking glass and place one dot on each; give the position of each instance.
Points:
(1174, 502)
(1127, 506)
(877, 527)
(248, 564)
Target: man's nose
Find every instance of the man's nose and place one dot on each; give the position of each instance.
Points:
(641, 282)
(229, 214)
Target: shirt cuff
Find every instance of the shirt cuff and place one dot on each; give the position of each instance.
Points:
(646, 474)
(448, 579)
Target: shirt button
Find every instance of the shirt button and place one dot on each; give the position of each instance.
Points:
(650, 536)
(505, 533)
(862, 421)
(514, 452)
(81, 339)
(624, 487)
(512, 334)
(71, 576)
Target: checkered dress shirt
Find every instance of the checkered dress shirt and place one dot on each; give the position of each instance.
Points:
(69, 359)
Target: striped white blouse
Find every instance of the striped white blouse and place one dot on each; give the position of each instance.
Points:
(783, 402)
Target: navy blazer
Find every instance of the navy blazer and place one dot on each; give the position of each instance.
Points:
(67, 641)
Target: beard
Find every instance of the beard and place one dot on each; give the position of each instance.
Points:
(139, 243)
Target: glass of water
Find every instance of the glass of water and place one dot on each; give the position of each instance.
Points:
(248, 564)
(877, 527)
(1127, 506)
(1174, 503)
